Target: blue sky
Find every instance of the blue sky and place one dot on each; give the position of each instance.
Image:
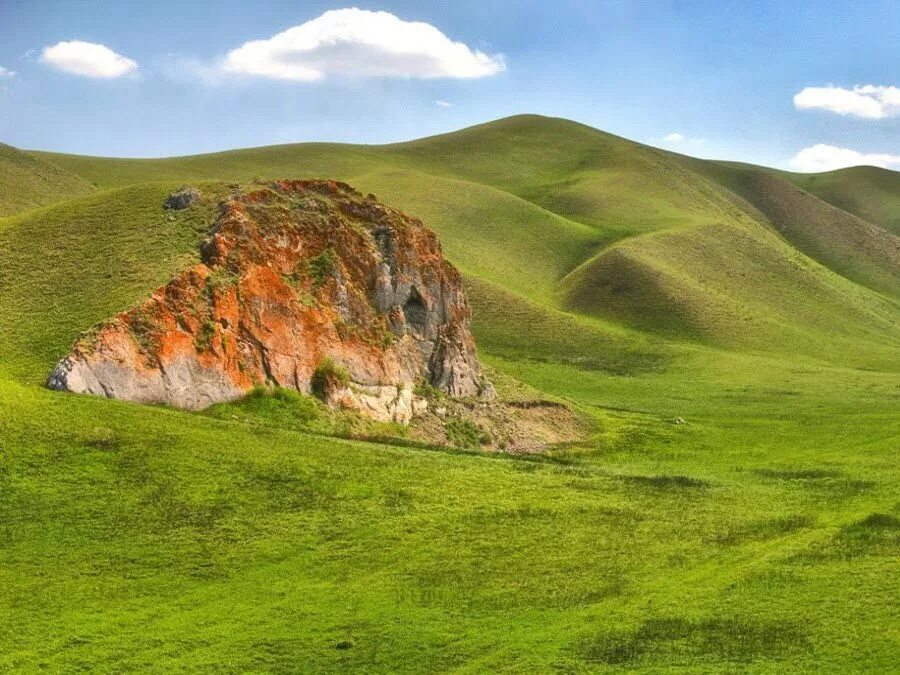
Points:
(762, 82)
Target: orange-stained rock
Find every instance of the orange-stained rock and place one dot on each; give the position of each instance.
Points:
(293, 273)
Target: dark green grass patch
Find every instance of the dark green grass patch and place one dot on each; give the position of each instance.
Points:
(328, 375)
(464, 433)
(763, 530)
(275, 406)
(878, 534)
(665, 482)
(823, 483)
(268, 408)
(679, 641)
(800, 474)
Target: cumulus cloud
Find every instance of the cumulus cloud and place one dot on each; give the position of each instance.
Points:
(360, 43)
(674, 137)
(867, 101)
(823, 157)
(6, 72)
(88, 59)
(443, 104)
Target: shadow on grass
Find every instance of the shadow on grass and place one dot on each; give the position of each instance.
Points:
(668, 482)
(762, 530)
(878, 534)
(677, 639)
(825, 483)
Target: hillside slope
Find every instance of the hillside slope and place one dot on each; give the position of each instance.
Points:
(840, 240)
(27, 181)
(869, 192)
(63, 268)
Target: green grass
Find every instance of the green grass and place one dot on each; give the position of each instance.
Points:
(27, 181)
(735, 508)
(287, 409)
(871, 193)
(528, 202)
(865, 252)
(64, 268)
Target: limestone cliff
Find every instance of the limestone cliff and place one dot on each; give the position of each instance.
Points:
(302, 284)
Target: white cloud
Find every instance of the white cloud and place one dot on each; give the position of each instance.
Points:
(443, 104)
(6, 72)
(359, 43)
(868, 101)
(674, 137)
(88, 59)
(822, 157)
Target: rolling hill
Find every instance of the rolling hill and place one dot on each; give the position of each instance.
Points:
(760, 310)
(869, 192)
(578, 219)
(27, 181)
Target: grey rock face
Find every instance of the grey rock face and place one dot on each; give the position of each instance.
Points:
(182, 199)
(183, 383)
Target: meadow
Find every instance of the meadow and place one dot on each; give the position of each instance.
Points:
(732, 332)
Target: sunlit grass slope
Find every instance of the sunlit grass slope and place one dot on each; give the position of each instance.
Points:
(617, 186)
(735, 509)
(736, 286)
(852, 247)
(869, 192)
(489, 233)
(64, 268)
(27, 181)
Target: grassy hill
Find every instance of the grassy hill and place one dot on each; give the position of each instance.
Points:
(27, 181)
(869, 192)
(861, 251)
(759, 308)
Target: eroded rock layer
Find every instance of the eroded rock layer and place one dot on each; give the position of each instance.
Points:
(302, 284)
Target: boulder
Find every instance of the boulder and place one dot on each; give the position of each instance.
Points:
(182, 199)
(294, 275)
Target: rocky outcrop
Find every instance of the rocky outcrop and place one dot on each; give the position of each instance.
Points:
(302, 284)
(182, 199)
